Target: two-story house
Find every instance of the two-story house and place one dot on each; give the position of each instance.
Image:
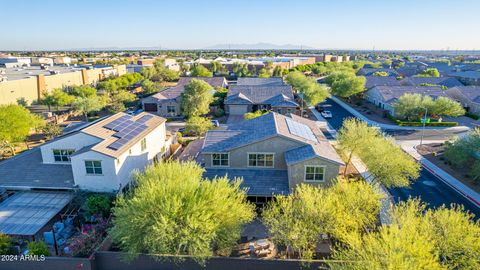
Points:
(99, 157)
(252, 94)
(167, 103)
(272, 153)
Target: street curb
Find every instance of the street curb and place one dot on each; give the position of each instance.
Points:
(468, 197)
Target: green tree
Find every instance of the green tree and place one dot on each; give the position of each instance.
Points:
(412, 106)
(346, 84)
(16, 122)
(385, 161)
(5, 244)
(264, 73)
(462, 152)
(311, 91)
(51, 130)
(83, 91)
(149, 87)
(241, 69)
(353, 136)
(198, 70)
(380, 74)
(409, 106)
(429, 72)
(198, 125)
(173, 210)
(38, 248)
(417, 238)
(447, 107)
(56, 98)
(86, 105)
(217, 68)
(255, 114)
(297, 221)
(277, 72)
(196, 98)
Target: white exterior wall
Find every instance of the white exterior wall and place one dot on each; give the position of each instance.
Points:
(76, 141)
(128, 162)
(107, 182)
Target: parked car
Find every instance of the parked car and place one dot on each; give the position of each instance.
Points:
(326, 114)
(322, 107)
(215, 123)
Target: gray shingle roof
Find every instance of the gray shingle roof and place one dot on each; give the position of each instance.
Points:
(466, 74)
(471, 92)
(260, 81)
(370, 71)
(265, 127)
(391, 93)
(27, 170)
(444, 81)
(264, 94)
(176, 91)
(373, 81)
(259, 182)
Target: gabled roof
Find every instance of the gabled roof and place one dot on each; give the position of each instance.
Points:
(260, 94)
(260, 81)
(444, 81)
(466, 74)
(391, 93)
(471, 92)
(268, 126)
(373, 81)
(176, 91)
(109, 136)
(370, 71)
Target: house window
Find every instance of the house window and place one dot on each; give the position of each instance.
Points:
(171, 109)
(314, 173)
(143, 144)
(62, 155)
(260, 160)
(220, 159)
(93, 167)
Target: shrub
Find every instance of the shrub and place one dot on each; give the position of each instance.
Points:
(38, 248)
(98, 204)
(219, 113)
(472, 115)
(5, 244)
(431, 124)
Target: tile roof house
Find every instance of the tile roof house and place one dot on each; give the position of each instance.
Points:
(252, 94)
(272, 153)
(167, 102)
(373, 81)
(467, 77)
(385, 96)
(468, 96)
(439, 81)
(371, 71)
(99, 157)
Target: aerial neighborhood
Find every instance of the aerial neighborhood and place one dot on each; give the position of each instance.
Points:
(246, 155)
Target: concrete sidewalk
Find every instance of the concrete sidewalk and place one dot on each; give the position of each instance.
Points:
(387, 126)
(464, 190)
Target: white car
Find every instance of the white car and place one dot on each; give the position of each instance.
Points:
(326, 114)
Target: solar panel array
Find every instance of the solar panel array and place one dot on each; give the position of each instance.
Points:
(126, 129)
(300, 130)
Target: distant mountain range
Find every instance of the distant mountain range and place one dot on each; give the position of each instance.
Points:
(258, 46)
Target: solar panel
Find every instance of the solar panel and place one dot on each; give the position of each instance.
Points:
(144, 118)
(117, 144)
(118, 122)
(300, 130)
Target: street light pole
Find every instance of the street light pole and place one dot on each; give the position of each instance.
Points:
(424, 122)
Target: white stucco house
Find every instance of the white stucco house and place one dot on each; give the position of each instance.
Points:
(100, 157)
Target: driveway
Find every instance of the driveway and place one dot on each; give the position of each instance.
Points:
(234, 119)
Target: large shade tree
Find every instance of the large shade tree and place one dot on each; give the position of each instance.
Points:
(196, 98)
(346, 84)
(16, 122)
(173, 210)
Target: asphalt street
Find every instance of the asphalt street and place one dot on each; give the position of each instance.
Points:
(427, 187)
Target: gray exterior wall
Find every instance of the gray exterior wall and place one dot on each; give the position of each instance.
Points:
(162, 107)
(296, 172)
(374, 97)
(473, 107)
(277, 145)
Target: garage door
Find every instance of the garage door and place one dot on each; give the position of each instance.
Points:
(150, 107)
(238, 109)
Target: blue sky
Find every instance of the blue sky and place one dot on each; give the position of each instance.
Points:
(323, 24)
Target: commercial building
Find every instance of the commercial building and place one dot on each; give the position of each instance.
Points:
(29, 83)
